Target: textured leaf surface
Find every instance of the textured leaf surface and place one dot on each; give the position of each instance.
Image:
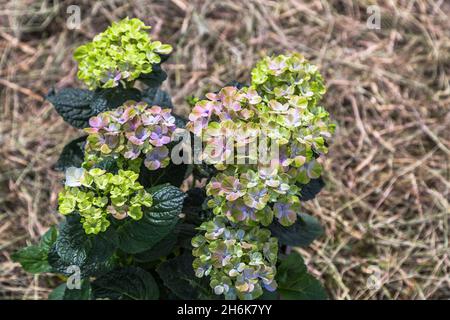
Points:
(178, 275)
(58, 292)
(109, 99)
(76, 106)
(91, 253)
(73, 105)
(72, 154)
(158, 221)
(157, 97)
(83, 293)
(172, 174)
(128, 283)
(311, 189)
(161, 249)
(34, 258)
(155, 78)
(295, 283)
(304, 231)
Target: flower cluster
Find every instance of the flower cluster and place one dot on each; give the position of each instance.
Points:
(129, 131)
(96, 195)
(122, 52)
(240, 261)
(265, 139)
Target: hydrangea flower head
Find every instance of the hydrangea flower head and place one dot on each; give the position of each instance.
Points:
(130, 131)
(99, 195)
(121, 53)
(240, 261)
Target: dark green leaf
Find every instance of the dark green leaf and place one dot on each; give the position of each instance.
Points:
(58, 292)
(157, 222)
(76, 106)
(304, 231)
(128, 283)
(294, 281)
(109, 99)
(49, 238)
(72, 155)
(73, 105)
(311, 189)
(178, 275)
(161, 249)
(73, 247)
(157, 97)
(33, 259)
(155, 78)
(172, 174)
(84, 293)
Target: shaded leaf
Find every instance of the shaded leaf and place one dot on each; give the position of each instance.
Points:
(294, 281)
(178, 275)
(109, 99)
(84, 293)
(155, 78)
(73, 247)
(58, 292)
(73, 105)
(72, 154)
(127, 283)
(172, 174)
(161, 249)
(304, 231)
(311, 189)
(33, 259)
(157, 97)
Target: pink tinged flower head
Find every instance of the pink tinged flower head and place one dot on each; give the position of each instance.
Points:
(125, 115)
(139, 136)
(199, 111)
(292, 118)
(98, 122)
(256, 198)
(230, 98)
(159, 137)
(155, 110)
(277, 106)
(133, 151)
(237, 211)
(168, 119)
(154, 159)
(286, 213)
(149, 119)
(212, 96)
(277, 65)
(253, 96)
(232, 188)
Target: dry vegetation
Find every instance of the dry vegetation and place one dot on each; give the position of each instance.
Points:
(386, 204)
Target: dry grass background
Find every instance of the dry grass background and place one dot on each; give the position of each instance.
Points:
(386, 204)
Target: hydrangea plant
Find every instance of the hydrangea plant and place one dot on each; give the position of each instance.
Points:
(250, 190)
(125, 213)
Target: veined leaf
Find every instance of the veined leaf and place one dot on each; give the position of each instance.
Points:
(304, 231)
(158, 221)
(128, 283)
(294, 281)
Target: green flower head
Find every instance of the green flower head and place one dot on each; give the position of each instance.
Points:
(99, 196)
(121, 53)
